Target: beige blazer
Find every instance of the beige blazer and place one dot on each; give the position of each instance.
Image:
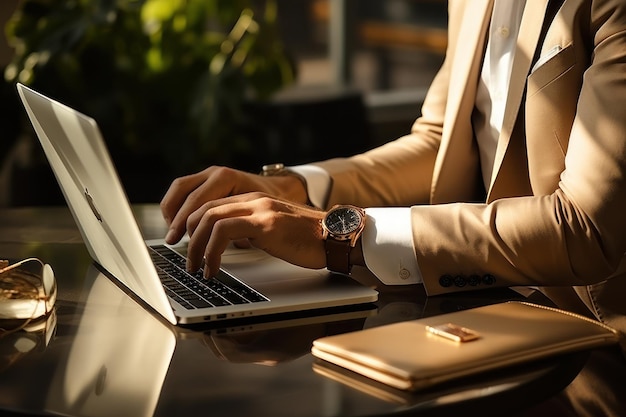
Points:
(555, 212)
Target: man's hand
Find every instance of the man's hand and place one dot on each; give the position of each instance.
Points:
(187, 194)
(281, 228)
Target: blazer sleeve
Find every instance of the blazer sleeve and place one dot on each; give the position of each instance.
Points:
(398, 173)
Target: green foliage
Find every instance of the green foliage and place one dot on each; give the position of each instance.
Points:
(165, 79)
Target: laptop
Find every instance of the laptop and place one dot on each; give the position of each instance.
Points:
(152, 270)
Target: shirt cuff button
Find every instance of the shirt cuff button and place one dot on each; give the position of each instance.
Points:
(404, 274)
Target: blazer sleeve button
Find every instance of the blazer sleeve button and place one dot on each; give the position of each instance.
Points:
(489, 279)
(459, 281)
(473, 280)
(445, 280)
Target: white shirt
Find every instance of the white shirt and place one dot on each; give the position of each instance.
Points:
(495, 77)
(387, 240)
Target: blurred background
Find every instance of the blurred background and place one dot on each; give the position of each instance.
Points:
(177, 85)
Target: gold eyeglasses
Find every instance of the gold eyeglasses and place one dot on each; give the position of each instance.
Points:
(28, 291)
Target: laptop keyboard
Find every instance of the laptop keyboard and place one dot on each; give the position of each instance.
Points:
(193, 290)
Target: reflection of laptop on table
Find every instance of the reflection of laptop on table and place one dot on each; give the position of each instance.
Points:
(266, 285)
(113, 369)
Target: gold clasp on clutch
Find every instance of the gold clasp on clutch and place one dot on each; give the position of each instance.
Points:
(453, 332)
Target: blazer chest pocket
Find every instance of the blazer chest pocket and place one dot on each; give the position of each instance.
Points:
(557, 62)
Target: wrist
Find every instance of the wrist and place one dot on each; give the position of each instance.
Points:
(292, 185)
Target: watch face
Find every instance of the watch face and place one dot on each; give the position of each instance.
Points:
(343, 221)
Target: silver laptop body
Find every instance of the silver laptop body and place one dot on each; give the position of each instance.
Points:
(82, 165)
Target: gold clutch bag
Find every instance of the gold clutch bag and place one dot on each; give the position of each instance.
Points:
(417, 354)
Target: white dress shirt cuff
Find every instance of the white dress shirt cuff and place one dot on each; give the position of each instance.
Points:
(388, 246)
(318, 183)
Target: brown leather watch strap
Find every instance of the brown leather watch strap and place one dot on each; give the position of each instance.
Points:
(338, 255)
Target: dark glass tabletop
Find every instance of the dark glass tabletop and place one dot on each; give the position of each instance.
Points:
(102, 353)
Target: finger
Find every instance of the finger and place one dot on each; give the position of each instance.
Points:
(212, 183)
(242, 244)
(201, 227)
(178, 192)
(220, 207)
(225, 231)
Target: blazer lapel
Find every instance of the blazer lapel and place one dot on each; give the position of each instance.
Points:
(529, 33)
(461, 97)
(468, 59)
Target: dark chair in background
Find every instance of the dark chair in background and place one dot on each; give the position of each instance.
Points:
(308, 124)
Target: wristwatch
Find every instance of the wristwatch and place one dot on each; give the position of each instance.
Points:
(271, 170)
(341, 228)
